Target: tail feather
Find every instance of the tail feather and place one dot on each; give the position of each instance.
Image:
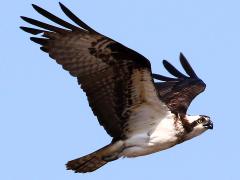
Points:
(95, 160)
(86, 163)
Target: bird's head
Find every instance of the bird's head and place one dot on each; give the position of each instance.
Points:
(198, 124)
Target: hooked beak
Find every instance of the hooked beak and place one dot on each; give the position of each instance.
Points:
(208, 125)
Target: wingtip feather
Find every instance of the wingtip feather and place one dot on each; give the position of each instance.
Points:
(181, 55)
(37, 8)
(31, 30)
(172, 70)
(61, 4)
(40, 41)
(34, 6)
(24, 18)
(164, 61)
(187, 67)
(75, 19)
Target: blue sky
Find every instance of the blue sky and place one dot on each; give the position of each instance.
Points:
(45, 118)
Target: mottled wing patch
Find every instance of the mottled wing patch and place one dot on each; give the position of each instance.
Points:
(116, 79)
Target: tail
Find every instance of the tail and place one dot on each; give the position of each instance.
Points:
(97, 159)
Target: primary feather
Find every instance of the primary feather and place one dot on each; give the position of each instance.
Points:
(142, 116)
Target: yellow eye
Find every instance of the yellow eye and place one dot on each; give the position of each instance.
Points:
(199, 121)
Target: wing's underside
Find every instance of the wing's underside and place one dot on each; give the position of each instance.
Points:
(113, 76)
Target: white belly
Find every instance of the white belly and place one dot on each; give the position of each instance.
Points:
(157, 138)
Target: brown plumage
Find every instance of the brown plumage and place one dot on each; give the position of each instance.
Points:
(118, 82)
(179, 92)
(95, 160)
(92, 57)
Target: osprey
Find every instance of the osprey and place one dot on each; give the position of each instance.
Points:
(141, 116)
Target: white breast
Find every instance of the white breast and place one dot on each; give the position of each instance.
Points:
(151, 131)
(164, 133)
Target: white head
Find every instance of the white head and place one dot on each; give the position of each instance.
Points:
(198, 125)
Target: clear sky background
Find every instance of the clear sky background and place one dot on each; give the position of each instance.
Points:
(45, 119)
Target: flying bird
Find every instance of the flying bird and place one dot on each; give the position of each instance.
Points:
(142, 116)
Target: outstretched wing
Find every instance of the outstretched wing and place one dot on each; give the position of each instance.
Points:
(179, 92)
(116, 79)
